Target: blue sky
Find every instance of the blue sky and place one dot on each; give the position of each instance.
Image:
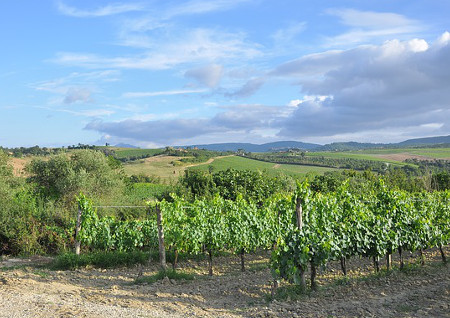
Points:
(156, 73)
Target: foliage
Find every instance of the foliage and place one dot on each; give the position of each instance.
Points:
(61, 177)
(198, 183)
(230, 183)
(70, 261)
(30, 151)
(252, 185)
(28, 224)
(126, 155)
(342, 224)
(321, 161)
(107, 233)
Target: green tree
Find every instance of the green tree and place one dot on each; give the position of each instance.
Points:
(62, 176)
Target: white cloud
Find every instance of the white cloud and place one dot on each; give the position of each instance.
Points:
(202, 6)
(162, 93)
(365, 26)
(286, 35)
(244, 119)
(77, 87)
(85, 113)
(371, 19)
(396, 84)
(249, 88)
(208, 75)
(307, 98)
(77, 94)
(191, 46)
(444, 39)
(62, 84)
(379, 93)
(111, 9)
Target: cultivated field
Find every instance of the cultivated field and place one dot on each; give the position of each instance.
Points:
(241, 163)
(159, 166)
(389, 155)
(165, 167)
(169, 168)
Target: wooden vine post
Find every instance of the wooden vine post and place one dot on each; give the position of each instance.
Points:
(162, 247)
(299, 217)
(77, 231)
(275, 280)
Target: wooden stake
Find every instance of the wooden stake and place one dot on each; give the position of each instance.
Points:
(343, 266)
(400, 253)
(162, 247)
(242, 260)
(376, 264)
(299, 217)
(422, 258)
(313, 276)
(444, 259)
(388, 261)
(175, 260)
(299, 212)
(210, 267)
(77, 231)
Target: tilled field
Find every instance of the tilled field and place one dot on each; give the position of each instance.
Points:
(30, 291)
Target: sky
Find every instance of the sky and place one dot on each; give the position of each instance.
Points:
(163, 72)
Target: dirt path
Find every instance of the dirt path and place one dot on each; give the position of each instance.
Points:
(211, 160)
(39, 292)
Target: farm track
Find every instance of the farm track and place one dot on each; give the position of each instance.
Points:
(38, 292)
(209, 161)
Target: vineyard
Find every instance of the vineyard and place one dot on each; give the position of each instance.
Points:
(302, 229)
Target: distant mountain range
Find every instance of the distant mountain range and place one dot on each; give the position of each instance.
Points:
(271, 146)
(125, 146)
(336, 146)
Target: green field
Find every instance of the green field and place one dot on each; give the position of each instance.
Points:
(126, 152)
(161, 166)
(353, 155)
(164, 168)
(169, 168)
(241, 163)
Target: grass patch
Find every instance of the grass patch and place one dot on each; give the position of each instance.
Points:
(407, 308)
(171, 274)
(41, 274)
(289, 293)
(12, 268)
(70, 261)
(258, 267)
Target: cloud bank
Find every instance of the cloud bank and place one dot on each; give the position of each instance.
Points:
(396, 86)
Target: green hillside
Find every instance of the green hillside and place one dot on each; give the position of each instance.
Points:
(241, 163)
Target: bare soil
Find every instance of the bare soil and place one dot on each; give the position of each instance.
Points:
(18, 165)
(27, 290)
(403, 156)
